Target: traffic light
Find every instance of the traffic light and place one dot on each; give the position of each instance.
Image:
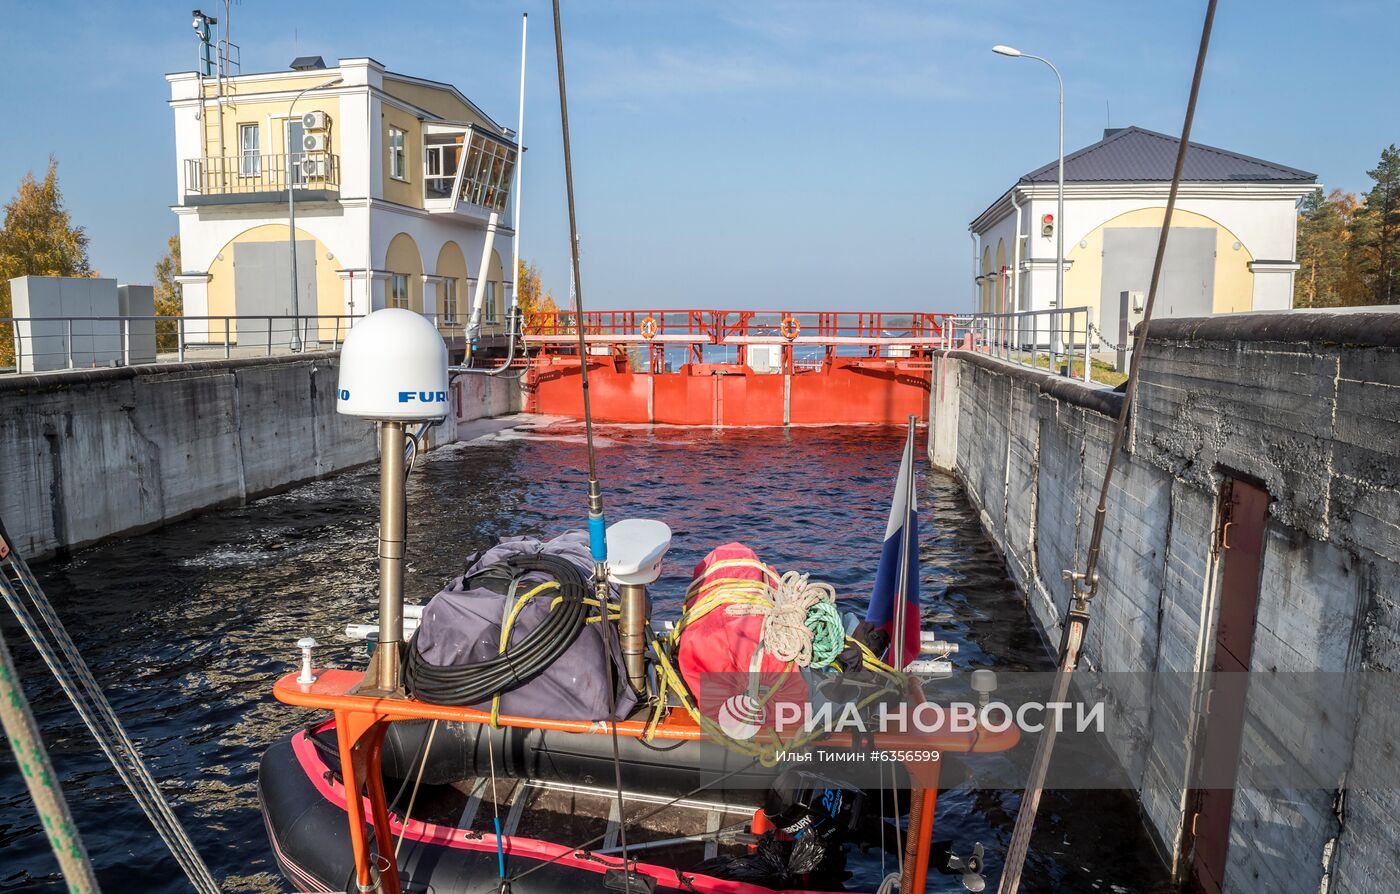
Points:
(1047, 225)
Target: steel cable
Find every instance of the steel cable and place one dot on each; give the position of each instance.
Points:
(1085, 584)
(66, 663)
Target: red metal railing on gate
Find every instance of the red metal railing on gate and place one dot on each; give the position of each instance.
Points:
(738, 327)
(713, 367)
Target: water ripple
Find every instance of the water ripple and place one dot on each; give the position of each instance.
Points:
(187, 627)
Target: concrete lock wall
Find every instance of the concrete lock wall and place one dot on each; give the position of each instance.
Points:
(1309, 406)
(90, 454)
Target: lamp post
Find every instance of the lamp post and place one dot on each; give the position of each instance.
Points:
(1060, 187)
(292, 215)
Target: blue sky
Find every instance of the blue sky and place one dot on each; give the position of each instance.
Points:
(729, 154)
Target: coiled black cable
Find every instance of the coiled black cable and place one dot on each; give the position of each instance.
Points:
(470, 684)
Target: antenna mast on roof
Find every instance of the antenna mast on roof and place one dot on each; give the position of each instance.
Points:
(219, 58)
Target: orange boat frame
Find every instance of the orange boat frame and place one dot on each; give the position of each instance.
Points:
(361, 722)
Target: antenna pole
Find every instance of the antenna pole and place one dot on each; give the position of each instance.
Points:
(385, 665)
(596, 526)
(1085, 585)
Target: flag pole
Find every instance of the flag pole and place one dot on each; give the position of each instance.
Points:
(901, 604)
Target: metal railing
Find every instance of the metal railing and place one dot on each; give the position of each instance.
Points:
(45, 344)
(719, 327)
(777, 339)
(259, 173)
(1054, 339)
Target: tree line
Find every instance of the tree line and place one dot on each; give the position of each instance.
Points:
(1349, 246)
(38, 238)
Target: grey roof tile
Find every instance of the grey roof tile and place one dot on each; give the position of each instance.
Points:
(1132, 154)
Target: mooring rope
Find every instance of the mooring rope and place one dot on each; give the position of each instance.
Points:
(37, 770)
(413, 796)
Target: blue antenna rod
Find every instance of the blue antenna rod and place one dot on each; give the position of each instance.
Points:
(597, 528)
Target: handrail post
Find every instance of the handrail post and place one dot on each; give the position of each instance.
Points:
(1088, 360)
(180, 336)
(228, 352)
(269, 336)
(69, 321)
(126, 339)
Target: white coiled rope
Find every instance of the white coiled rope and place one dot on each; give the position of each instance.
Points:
(800, 623)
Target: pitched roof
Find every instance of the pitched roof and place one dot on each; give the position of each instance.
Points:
(1132, 154)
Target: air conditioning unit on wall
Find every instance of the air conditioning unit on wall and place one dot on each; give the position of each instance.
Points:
(316, 120)
(314, 168)
(315, 142)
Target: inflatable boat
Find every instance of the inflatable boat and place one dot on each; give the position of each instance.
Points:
(550, 788)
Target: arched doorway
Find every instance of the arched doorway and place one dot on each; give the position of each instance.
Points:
(405, 266)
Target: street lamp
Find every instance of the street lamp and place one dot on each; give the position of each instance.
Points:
(292, 215)
(1014, 53)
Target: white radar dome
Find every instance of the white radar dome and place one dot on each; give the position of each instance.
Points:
(393, 365)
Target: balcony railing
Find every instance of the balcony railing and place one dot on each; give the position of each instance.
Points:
(250, 175)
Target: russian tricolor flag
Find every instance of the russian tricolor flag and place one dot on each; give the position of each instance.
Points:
(903, 525)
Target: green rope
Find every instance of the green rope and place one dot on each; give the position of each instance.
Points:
(828, 634)
(37, 770)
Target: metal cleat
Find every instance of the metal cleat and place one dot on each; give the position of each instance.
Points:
(984, 683)
(306, 644)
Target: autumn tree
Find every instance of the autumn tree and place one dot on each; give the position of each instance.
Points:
(1378, 234)
(169, 302)
(37, 239)
(1326, 276)
(534, 304)
(1349, 249)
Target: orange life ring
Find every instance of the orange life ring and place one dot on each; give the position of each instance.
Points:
(790, 328)
(649, 328)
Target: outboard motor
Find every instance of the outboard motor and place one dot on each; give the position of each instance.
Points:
(818, 814)
(813, 820)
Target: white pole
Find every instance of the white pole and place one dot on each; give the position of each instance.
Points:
(474, 324)
(519, 178)
(976, 272)
(371, 159)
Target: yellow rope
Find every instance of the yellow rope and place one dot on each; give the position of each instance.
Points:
(505, 635)
(742, 596)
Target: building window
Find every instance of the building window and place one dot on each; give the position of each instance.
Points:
(490, 301)
(449, 301)
(398, 290)
(249, 153)
(489, 167)
(398, 154)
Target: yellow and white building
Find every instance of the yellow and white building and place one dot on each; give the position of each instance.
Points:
(401, 186)
(1233, 243)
